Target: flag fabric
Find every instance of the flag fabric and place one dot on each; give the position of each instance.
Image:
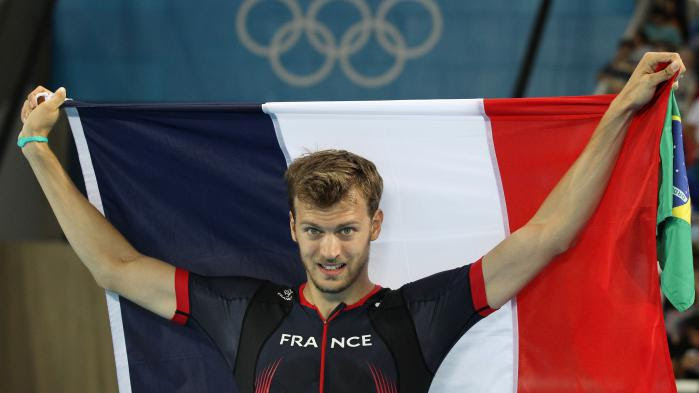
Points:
(200, 186)
(674, 215)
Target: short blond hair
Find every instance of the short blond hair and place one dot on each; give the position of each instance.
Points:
(326, 177)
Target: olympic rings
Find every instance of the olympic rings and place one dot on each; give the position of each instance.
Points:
(323, 41)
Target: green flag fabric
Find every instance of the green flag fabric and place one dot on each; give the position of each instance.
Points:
(674, 215)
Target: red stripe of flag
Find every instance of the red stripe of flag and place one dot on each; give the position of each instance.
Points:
(592, 320)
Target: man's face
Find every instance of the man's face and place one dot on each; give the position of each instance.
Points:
(334, 242)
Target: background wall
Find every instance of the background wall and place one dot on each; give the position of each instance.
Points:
(54, 334)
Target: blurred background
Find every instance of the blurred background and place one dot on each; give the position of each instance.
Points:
(54, 331)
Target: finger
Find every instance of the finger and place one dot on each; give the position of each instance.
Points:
(682, 68)
(653, 58)
(31, 97)
(39, 89)
(664, 74)
(25, 111)
(58, 97)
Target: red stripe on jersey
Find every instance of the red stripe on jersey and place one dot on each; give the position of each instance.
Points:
(478, 295)
(182, 295)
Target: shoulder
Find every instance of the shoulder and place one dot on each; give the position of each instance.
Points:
(437, 285)
(227, 287)
(270, 292)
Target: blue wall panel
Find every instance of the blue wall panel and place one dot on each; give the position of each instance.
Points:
(164, 50)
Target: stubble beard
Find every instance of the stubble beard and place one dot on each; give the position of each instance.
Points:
(361, 265)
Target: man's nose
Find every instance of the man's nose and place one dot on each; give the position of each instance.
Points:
(330, 247)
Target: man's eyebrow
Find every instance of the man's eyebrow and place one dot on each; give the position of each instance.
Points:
(348, 223)
(309, 223)
(342, 225)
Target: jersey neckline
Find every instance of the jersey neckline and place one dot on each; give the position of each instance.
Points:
(360, 302)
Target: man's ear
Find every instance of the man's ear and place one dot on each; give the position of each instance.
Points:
(376, 222)
(292, 224)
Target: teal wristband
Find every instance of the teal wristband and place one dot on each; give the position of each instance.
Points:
(24, 140)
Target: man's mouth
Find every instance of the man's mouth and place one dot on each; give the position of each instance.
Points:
(332, 268)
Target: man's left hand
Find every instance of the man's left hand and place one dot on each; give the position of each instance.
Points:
(640, 88)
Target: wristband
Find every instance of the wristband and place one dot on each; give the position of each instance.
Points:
(24, 140)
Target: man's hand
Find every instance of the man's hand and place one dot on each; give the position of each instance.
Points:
(39, 119)
(640, 88)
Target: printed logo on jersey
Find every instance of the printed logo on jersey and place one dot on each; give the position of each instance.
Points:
(294, 340)
(287, 295)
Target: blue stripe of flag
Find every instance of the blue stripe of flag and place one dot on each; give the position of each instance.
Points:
(199, 186)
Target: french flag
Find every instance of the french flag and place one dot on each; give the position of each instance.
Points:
(201, 186)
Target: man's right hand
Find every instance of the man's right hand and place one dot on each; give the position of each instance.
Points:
(39, 119)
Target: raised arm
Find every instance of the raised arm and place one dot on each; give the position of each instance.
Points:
(517, 259)
(113, 262)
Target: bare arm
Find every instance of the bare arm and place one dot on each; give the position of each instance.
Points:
(516, 260)
(113, 262)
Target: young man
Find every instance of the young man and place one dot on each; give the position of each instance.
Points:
(339, 331)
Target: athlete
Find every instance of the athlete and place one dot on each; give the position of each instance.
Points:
(338, 332)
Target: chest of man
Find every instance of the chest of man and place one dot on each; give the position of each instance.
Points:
(344, 353)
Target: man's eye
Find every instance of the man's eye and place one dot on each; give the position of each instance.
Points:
(346, 231)
(312, 231)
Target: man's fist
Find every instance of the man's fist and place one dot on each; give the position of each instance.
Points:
(38, 118)
(640, 88)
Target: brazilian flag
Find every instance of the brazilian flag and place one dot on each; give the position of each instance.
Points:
(674, 215)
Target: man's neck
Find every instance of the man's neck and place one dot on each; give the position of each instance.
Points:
(327, 302)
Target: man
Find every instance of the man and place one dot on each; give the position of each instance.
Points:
(338, 332)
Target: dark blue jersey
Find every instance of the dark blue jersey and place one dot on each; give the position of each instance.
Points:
(303, 353)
